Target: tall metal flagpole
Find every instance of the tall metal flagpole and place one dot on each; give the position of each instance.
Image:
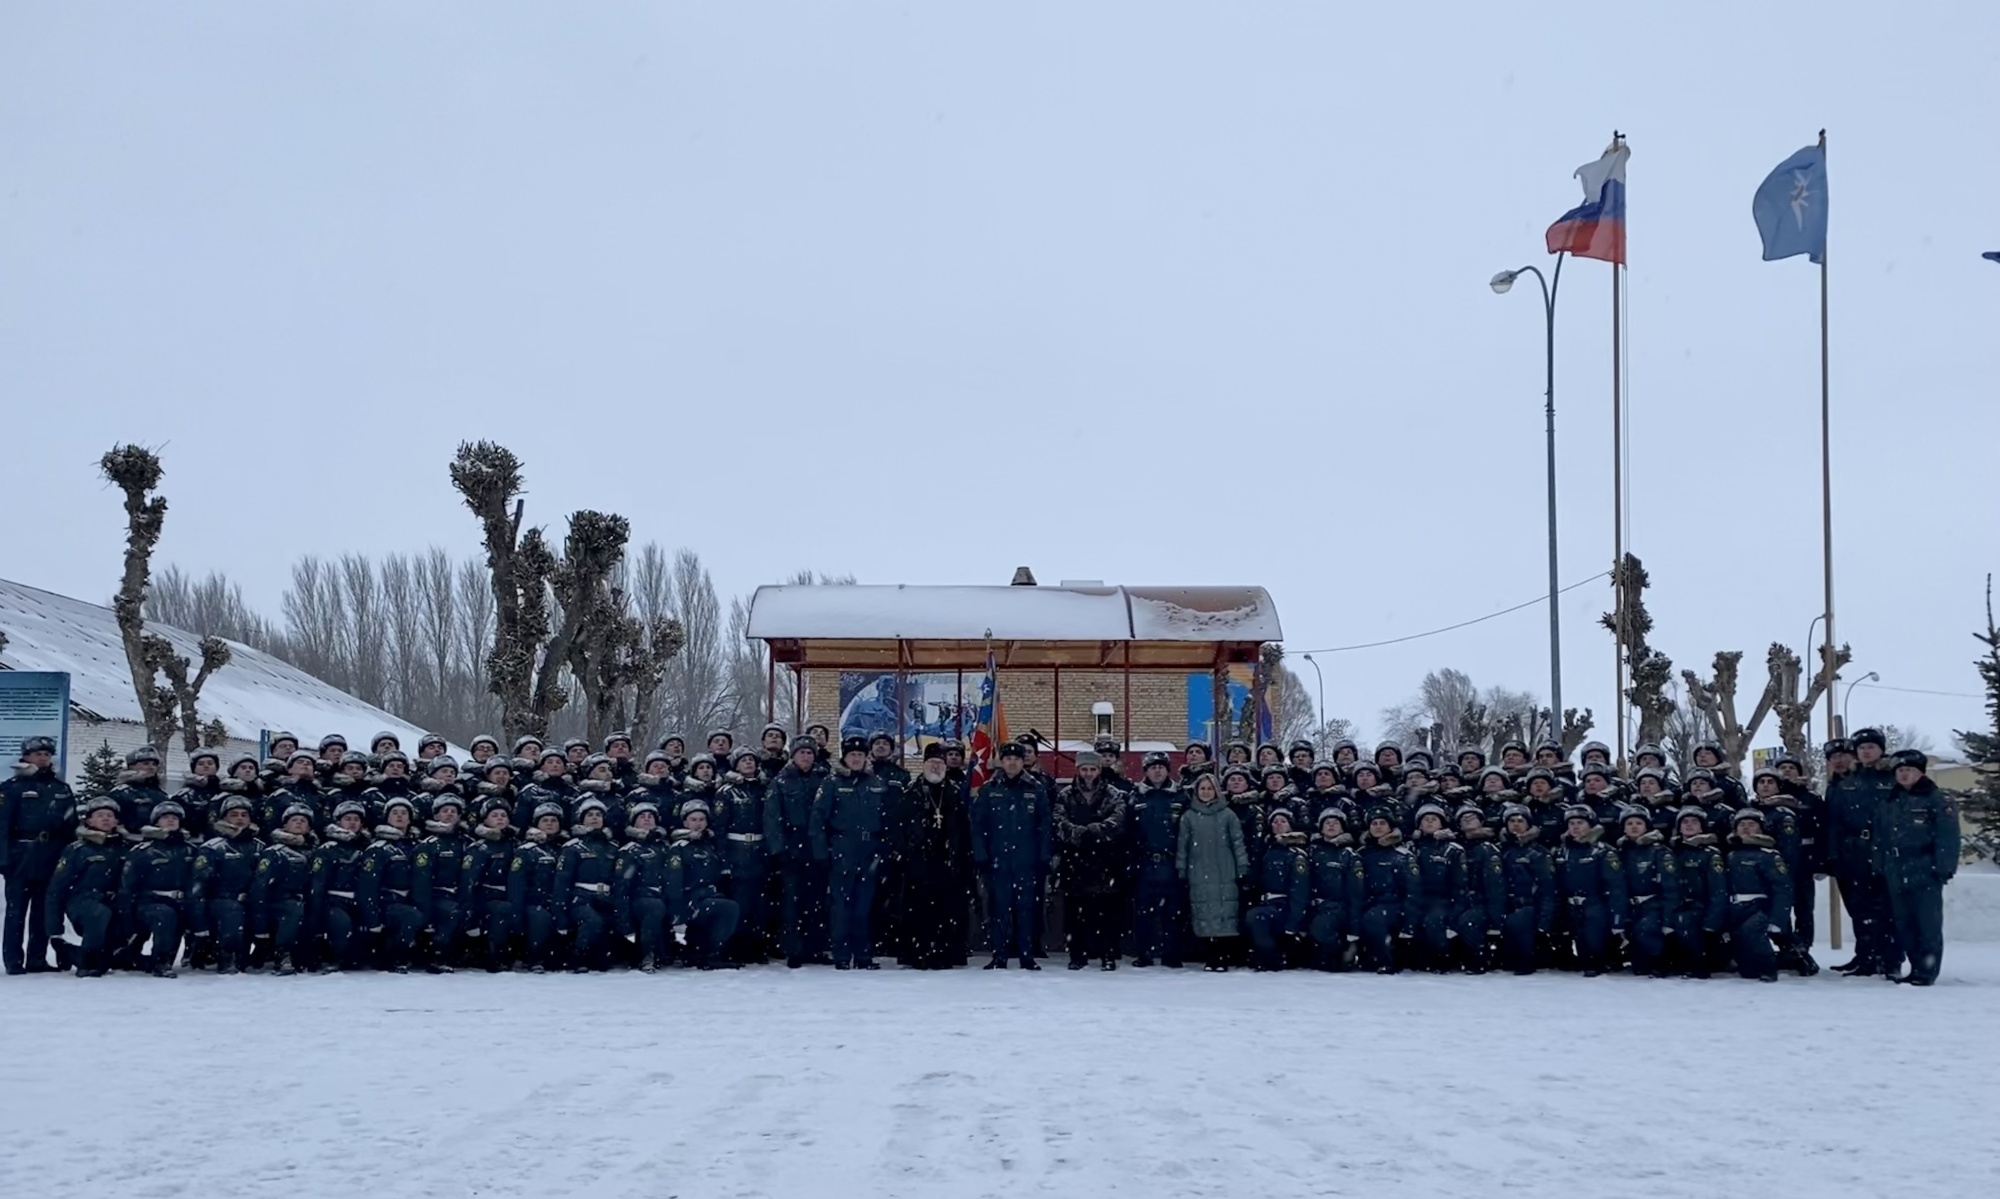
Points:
(1826, 464)
(1617, 518)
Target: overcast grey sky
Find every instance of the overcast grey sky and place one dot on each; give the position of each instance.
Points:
(1151, 293)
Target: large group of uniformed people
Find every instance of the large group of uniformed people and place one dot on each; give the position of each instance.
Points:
(584, 857)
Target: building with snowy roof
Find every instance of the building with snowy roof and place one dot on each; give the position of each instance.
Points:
(1149, 666)
(254, 693)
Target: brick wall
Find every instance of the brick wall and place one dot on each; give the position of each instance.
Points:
(124, 736)
(1159, 708)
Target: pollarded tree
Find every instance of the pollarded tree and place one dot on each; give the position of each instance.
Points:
(518, 564)
(1651, 671)
(136, 471)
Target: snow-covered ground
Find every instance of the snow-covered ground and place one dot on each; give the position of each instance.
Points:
(1140, 1083)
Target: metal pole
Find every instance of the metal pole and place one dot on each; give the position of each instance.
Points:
(1809, 678)
(1555, 616)
(1617, 520)
(1826, 464)
(770, 686)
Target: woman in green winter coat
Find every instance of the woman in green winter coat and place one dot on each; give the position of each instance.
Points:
(1211, 858)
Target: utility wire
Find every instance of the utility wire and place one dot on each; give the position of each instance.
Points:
(1917, 691)
(1540, 599)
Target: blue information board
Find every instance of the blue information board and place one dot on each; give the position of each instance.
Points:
(34, 703)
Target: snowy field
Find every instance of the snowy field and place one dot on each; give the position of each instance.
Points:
(1139, 1083)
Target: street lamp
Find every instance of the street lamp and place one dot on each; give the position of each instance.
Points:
(1870, 677)
(1322, 690)
(1501, 283)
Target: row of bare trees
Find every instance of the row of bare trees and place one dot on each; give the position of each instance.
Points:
(411, 633)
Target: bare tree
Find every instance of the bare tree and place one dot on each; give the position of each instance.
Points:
(1293, 717)
(1450, 713)
(136, 471)
(314, 615)
(363, 634)
(475, 637)
(438, 635)
(212, 605)
(403, 613)
(693, 693)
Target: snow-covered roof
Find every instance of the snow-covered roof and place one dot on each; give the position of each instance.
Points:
(911, 613)
(46, 631)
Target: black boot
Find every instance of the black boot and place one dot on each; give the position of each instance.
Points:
(284, 967)
(1030, 964)
(1108, 964)
(1077, 963)
(997, 963)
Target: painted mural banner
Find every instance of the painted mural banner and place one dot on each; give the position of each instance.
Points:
(932, 706)
(1201, 705)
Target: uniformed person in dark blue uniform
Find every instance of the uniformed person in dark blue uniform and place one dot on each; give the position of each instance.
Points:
(37, 814)
(85, 887)
(1760, 898)
(1590, 885)
(1388, 892)
(1652, 891)
(640, 891)
(1011, 845)
(138, 791)
(1485, 889)
(788, 841)
(531, 886)
(333, 909)
(1916, 854)
(1859, 778)
(849, 818)
(224, 868)
(1334, 894)
(279, 892)
(388, 871)
(1441, 888)
(584, 877)
(1528, 880)
(487, 913)
(153, 899)
(1697, 921)
(1154, 812)
(697, 890)
(740, 817)
(436, 878)
(1281, 893)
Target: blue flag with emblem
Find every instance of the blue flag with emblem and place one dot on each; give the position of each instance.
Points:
(1790, 207)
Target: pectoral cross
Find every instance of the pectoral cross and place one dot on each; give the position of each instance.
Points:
(937, 816)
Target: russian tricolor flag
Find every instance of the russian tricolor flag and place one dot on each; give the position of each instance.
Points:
(1596, 227)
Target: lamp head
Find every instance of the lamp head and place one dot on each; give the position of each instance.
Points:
(1504, 281)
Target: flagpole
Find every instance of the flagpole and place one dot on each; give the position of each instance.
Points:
(1617, 517)
(1826, 467)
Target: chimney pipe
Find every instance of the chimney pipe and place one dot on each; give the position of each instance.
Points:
(1023, 577)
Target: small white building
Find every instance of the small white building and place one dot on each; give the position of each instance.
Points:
(255, 692)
